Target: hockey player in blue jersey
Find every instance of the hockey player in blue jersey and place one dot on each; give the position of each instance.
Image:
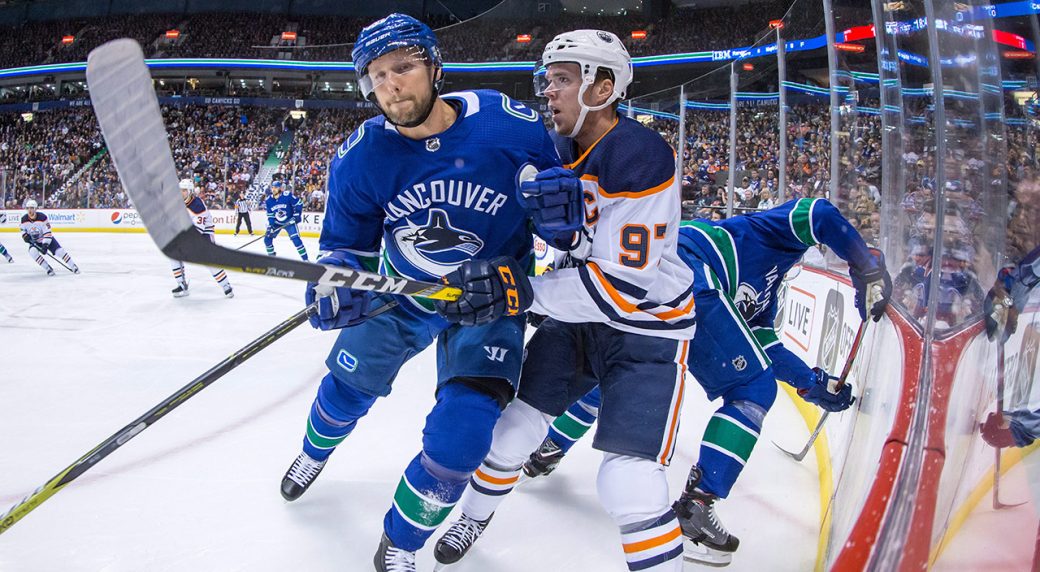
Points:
(36, 232)
(433, 181)
(738, 264)
(3, 252)
(619, 306)
(284, 212)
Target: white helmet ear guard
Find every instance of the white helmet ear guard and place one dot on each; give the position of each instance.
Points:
(592, 50)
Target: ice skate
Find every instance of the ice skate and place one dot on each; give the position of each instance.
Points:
(300, 476)
(706, 541)
(544, 460)
(454, 544)
(389, 558)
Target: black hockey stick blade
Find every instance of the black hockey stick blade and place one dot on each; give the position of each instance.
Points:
(128, 111)
(135, 427)
(812, 439)
(853, 352)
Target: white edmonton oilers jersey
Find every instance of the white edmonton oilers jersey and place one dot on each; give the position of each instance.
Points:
(628, 273)
(200, 216)
(37, 227)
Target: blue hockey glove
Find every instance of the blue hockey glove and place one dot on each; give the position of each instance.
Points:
(873, 287)
(824, 393)
(490, 289)
(554, 200)
(338, 307)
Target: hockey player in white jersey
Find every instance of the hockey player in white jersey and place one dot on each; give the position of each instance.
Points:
(36, 232)
(203, 221)
(619, 305)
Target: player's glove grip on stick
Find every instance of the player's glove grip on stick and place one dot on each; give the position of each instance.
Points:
(873, 287)
(337, 307)
(555, 202)
(826, 394)
(490, 289)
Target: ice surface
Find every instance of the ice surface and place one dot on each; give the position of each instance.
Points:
(84, 355)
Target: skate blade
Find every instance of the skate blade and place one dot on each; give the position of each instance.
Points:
(701, 554)
(441, 566)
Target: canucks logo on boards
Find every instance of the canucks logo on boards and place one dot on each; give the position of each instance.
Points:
(436, 247)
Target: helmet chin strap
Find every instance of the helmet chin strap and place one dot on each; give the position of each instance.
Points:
(585, 109)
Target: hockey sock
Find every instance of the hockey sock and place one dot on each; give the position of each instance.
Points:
(178, 275)
(520, 431)
(634, 491)
(3, 252)
(220, 276)
(64, 256)
(456, 437)
(728, 440)
(41, 260)
(269, 244)
(333, 415)
(298, 244)
(568, 428)
(424, 498)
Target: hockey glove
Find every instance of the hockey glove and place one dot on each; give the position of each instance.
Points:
(338, 307)
(825, 393)
(27, 239)
(997, 431)
(490, 289)
(999, 308)
(555, 202)
(873, 287)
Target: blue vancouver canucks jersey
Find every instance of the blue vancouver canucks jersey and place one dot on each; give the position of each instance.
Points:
(751, 254)
(283, 208)
(437, 202)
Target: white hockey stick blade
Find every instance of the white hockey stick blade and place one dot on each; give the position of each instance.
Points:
(126, 107)
(131, 122)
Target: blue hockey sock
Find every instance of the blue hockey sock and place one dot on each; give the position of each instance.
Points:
(333, 415)
(568, 428)
(456, 439)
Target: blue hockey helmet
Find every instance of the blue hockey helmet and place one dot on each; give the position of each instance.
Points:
(391, 33)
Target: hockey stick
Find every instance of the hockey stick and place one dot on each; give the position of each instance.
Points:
(128, 112)
(853, 351)
(106, 448)
(997, 505)
(277, 230)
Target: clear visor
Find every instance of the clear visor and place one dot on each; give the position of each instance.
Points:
(548, 80)
(395, 64)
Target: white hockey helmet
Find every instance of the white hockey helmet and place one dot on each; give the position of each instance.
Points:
(592, 50)
(187, 185)
(31, 204)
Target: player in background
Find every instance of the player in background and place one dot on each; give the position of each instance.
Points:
(242, 213)
(1004, 302)
(433, 181)
(736, 354)
(4, 253)
(36, 232)
(284, 212)
(619, 305)
(202, 220)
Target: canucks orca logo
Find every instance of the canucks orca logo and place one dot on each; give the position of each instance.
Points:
(747, 301)
(436, 247)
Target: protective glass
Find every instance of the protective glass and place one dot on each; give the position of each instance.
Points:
(398, 63)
